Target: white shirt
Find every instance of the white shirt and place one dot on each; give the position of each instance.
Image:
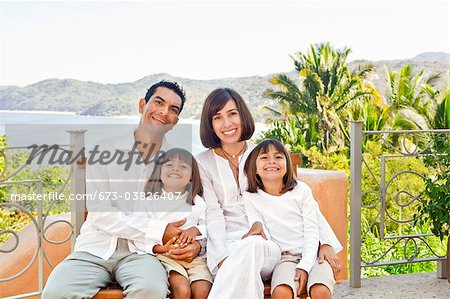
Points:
(180, 209)
(111, 219)
(290, 220)
(226, 220)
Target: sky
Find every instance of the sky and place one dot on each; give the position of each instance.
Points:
(123, 41)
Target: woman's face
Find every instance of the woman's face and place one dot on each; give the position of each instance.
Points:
(226, 123)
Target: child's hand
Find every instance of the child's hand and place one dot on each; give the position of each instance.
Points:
(302, 277)
(326, 253)
(166, 247)
(256, 229)
(188, 236)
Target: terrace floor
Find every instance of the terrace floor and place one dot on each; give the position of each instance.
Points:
(422, 286)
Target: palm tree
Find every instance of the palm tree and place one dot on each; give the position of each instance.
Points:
(411, 99)
(327, 87)
(442, 116)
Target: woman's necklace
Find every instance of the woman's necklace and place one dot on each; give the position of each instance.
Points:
(235, 155)
(233, 160)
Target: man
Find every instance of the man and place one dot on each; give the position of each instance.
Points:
(104, 250)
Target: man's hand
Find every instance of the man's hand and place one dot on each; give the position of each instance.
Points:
(188, 236)
(302, 277)
(255, 230)
(187, 254)
(164, 248)
(327, 253)
(173, 230)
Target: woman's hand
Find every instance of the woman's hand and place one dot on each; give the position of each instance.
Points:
(188, 236)
(166, 247)
(187, 253)
(327, 253)
(302, 277)
(255, 230)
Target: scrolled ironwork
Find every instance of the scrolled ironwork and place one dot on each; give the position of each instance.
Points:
(410, 146)
(53, 223)
(16, 237)
(405, 248)
(36, 226)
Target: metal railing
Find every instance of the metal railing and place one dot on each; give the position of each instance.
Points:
(76, 179)
(387, 202)
(38, 217)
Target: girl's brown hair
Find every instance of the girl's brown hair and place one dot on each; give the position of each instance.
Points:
(154, 183)
(254, 180)
(215, 102)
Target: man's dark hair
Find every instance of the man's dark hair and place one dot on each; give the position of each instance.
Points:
(170, 85)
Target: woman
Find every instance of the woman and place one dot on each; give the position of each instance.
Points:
(226, 125)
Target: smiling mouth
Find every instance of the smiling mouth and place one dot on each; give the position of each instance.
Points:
(174, 176)
(159, 119)
(230, 132)
(271, 169)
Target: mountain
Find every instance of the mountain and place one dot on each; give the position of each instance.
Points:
(433, 56)
(91, 98)
(430, 62)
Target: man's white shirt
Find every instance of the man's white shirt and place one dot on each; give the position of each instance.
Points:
(112, 218)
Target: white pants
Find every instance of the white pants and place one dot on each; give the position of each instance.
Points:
(241, 275)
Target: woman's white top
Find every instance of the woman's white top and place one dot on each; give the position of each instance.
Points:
(171, 210)
(225, 212)
(290, 220)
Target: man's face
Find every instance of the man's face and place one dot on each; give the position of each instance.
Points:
(161, 111)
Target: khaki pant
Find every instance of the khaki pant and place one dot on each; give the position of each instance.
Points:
(284, 273)
(82, 275)
(193, 271)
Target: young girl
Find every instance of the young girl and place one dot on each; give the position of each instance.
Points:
(283, 209)
(174, 193)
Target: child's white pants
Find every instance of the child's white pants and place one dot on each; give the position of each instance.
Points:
(241, 275)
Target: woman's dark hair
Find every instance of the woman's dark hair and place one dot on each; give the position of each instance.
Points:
(254, 180)
(214, 102)
(170, 85)
(154, 183)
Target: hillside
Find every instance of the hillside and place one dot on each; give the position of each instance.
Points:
(90, 98)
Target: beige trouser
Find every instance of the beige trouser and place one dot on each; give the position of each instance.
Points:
(82, 275)
(284, 273)
(193, 271)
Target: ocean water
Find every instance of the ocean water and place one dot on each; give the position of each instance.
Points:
(23, 128)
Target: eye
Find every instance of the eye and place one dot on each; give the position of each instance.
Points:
(158, 102)
(168, 165)
(174, 110)
(263, 157)
(279, 157)
(216, 117)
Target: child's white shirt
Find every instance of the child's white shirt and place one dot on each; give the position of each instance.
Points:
(173, 211)
(290, 220)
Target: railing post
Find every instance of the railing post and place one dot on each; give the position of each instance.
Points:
(40, 240)
(77, 182)
(355, 202)
(441, 269)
